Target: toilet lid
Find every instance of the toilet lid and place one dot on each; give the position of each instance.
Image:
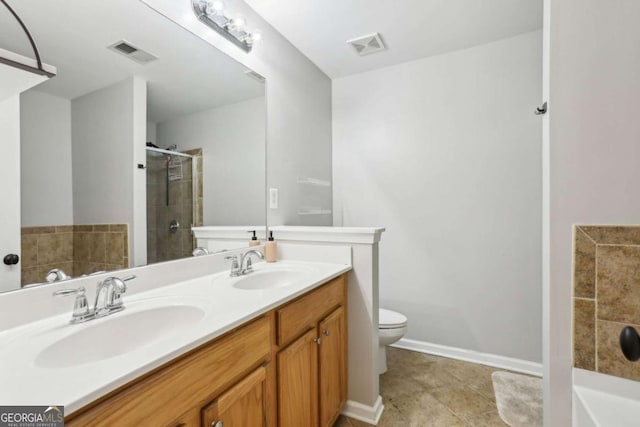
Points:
(390, 319)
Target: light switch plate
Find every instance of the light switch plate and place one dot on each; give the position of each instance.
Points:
(273, 198)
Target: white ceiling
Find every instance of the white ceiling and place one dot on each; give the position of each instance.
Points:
(190, 74)
(411, 29)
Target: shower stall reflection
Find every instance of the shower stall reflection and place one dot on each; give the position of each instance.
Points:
(173, 205)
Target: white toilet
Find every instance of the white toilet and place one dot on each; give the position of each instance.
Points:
(391, 327)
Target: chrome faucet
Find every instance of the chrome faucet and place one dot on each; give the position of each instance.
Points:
(57, 275)
(108, 299)
(241, 264)
(109, 295)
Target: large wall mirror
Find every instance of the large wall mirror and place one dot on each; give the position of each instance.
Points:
(145, 131)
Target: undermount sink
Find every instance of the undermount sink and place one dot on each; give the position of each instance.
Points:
(120, 334)
(270, 279)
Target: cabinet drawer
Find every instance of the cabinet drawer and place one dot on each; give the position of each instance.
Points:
(194, 379)
(303, 313)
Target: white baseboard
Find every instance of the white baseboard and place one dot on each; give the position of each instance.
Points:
(364, 413)
(509, 363)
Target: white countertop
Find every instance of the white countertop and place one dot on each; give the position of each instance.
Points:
(27, 380)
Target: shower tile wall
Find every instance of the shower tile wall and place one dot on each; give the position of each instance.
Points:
(162, 244)
(76, 249)
(606, 291)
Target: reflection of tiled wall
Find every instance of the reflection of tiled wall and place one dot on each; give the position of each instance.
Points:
(100, 247)
(76, 249)
(606, 291)
(45, 248)
(163, 245)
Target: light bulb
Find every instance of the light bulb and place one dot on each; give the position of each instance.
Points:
(217, 6)
(213, 8)
(256, 36)
(238, 22)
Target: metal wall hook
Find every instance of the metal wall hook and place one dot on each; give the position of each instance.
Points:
(539, 111)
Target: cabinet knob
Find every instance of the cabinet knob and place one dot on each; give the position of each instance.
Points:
(318, 341)
(11, 259)
(325, 332)
(218, 423)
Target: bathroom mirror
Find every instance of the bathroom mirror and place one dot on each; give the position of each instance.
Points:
(145, 131)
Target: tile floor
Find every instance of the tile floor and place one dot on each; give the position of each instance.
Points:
(420, 390)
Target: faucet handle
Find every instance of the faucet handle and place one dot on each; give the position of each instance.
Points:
(81, 310)
(233, 259)
(235, 265)
(67, 292)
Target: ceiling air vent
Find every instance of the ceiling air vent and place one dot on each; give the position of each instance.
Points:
(367, 44)
(130, 51)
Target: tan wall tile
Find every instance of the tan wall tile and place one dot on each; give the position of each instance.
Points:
(114, 248)
(80, 268)
(618, 283)
(613, 235)
(30, 275)
(101, 227)
(584, 281)
(39, 230)
(113, 267)
(64, 228)
(610, 358)
(584, 334)
(81, 248)
(55, 248)
(97, 248)
(118, 228)
(29, 250)
(87, 228)
(93, 267)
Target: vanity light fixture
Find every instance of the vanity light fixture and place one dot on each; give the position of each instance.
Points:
(233, 29)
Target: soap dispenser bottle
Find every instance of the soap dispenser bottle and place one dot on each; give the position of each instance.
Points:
(271, 249)
(254, 240)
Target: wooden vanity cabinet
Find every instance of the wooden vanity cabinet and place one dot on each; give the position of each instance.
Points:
(333, 366)
(286, 368)
(298, 382)
(243, 405)
(312, 369)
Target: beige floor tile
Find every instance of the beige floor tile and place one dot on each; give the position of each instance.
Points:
(463, 401)
(421, 390)
(490, 419)
(342, 421)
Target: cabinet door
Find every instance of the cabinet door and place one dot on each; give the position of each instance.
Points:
(241, 406)
(333, 366)
(189, 419)
(298, 382)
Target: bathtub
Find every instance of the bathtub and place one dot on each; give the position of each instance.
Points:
(601, 400)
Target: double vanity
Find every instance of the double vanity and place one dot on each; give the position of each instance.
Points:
(268, 347)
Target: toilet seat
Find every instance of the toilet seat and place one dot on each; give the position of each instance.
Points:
(389, 319)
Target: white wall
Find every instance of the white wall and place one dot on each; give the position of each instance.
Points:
(45, 152)
(593, 159)
(106, 129)
(298, 107)
(10, 173)
(445, 152)
(232, 139)
(152, 132)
